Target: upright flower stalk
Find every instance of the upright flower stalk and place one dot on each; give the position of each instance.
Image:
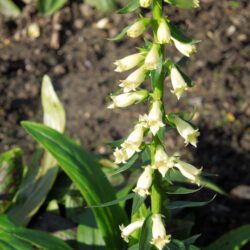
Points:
(151, 62)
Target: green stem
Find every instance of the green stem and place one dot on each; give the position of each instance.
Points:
(158, 94)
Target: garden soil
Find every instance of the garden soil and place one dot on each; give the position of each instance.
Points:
(74, 50)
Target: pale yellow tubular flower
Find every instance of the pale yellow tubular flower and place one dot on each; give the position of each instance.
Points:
(137, 28)
(152, 58)
(120, 155)
(144, 182)
(189, 171)
(145, 3)
(128, 62)
(134, 80)
(126, 99)
(130, 229)
(160, 238)
(162, 162)
(153, 120)
(186, 131)
(187, 49)
(178, 82)
(163, 32)
(133, 142)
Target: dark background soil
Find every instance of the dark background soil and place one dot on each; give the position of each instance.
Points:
(82, 73)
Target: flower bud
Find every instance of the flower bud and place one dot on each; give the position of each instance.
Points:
(178, 82)
(131, 228)
(186, 130)
(144, 182)
(160, 238)
(128, 62)
(133, 142)
(163, 32)
(137, 28)
(133, 80)
(153, 120)
(145, 3)
(162, 161)
(127, 99)
(187, 49)
(152, 58)
(189, 171)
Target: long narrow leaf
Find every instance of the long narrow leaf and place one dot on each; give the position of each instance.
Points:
(86, 175)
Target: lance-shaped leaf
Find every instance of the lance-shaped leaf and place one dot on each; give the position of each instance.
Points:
(132, 6)
(87, 176)
(232, 240)
(9, 8)
(42, 173)
(11, 168)
(18, 238)
(48, 7)
(184, 4)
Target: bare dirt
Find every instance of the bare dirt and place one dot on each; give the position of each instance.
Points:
(82, 72)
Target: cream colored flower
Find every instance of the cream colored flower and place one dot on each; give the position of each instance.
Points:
(163, 32)
(128, 62)
(131, 228)
(160, 238)
(120, 155)
(187, 49)
(162, 161)
(137, 28)
(189, 171)
(152, 58)
(144, 182)
(133, 142)
(153, 120)
(178, 82)
(145, 3)
(186, 130)
(134, 80)
(127, 99)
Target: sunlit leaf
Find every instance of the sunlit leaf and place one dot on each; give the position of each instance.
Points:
(48, 7)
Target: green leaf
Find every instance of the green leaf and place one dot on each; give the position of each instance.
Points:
(114, 202)
(137, 202)
(181, 190)
(186, 78)
(41, 175)
(19, 238)
(192, 239)
(9, 8)
(120, 35)
(126, 166)
(177, 34)
(184, 204)
(146, 234)
(233, 240)
(184, 4)
(102, 5)
(89, 237)
(48, 7)
(132, 6)
(210, 185)
(86, 175)
(11, 168)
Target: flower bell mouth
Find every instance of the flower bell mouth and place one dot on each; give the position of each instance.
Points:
(187, 49)
(130, 229)
(160, 238)
(186, 130)
(145, 3)
(134, 80)
(128, 62)
(178, 82)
